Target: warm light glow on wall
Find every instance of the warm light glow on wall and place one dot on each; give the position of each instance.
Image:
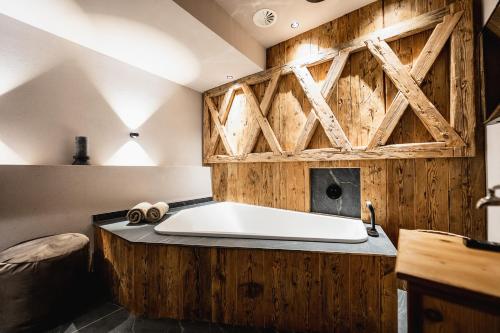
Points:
(134, 43)
(146, 48)
(22, 59)
(131, 154)
(16, 72)
(236, 124)
(8, 156)
(132, 96)
(303, 51)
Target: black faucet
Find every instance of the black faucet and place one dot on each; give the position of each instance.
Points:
(371, 229)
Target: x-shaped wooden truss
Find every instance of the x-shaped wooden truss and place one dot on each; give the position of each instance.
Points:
(407, 83)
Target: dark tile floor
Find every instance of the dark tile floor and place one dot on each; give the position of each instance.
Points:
(108, 317)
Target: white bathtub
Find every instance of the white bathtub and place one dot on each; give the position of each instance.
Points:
(228, 219)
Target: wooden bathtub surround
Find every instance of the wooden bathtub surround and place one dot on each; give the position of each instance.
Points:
(286, 290)
(448, 143)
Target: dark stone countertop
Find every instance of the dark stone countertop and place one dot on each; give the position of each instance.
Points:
(144, 233)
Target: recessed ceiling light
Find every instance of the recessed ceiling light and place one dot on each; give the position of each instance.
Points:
(294, 25)
(229, 77)
(314, 1)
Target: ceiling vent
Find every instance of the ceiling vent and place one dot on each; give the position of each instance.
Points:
(264, 18)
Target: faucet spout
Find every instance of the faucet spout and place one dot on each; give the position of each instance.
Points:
(490, 199)
(371, 230)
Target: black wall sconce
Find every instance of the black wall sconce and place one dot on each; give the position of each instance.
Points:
(134, 135)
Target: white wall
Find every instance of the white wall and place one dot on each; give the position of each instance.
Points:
(492, 148)
(493, 177)
(44, 200)
(487, 8)
(52, 90)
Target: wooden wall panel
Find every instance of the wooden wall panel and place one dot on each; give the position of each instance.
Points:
(407, 193)
(286, 290)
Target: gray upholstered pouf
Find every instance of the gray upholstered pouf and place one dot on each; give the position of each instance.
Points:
(41, 281)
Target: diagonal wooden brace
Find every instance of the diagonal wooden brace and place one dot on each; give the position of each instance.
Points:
(331, 80)
(220, 130)
(265, 105)
(435, 123)
(322, 110)
(224, 109)
(262, 121)
(424, 62)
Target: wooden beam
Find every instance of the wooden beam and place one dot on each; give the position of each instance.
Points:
(267, 100)
(424, 62)
(425, 110)
(206, 131)
(265, 104)
(331, 80)
(463, 78)
(263, 123)
(334, 72)
(307, 132)
(407, 147)
(400, 30)
(223, 113)
(330, 124)
(220, 129)
(403, 151)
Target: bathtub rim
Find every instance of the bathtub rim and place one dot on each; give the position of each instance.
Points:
(144, 234)
(238, 235)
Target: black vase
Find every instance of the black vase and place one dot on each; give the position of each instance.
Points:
(81, 158)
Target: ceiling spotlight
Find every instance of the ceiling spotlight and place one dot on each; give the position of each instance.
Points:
(229, 77)
(294, 25)
(314, 1)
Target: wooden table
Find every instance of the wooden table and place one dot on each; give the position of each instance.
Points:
(451, 288)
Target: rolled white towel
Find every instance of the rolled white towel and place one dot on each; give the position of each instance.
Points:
(138, 212)
(156, 211)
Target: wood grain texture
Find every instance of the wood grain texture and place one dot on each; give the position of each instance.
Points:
(425, 109)
(451, 288)
(223, 113)
(457, 318)
(219, 127)
(322, 110)
(261, 120)
(336, 68)
(399, 30)
(265, 104)
(445, 260)
(438, 192)
(423, 64)
(463, 102)
(284, 290)
(359, 118)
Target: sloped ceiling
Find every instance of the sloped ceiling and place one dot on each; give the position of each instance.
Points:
(159, 37)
